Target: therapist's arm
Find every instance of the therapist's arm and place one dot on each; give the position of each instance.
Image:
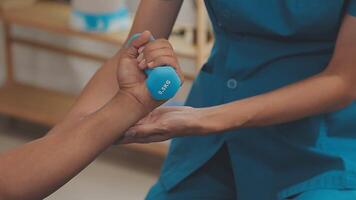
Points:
(332, 89)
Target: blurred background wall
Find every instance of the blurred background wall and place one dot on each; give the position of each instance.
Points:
(51, 70)
(118, 173)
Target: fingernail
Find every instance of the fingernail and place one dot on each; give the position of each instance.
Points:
(142, 64)
(140, 50)
(140, 57)
(150, 64)
(130, 133)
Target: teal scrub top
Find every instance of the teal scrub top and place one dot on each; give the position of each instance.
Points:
(261, 46)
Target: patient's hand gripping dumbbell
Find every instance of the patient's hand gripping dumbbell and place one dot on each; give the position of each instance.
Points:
(162, 82)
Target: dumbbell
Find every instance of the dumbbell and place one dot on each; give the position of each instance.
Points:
(162, 82)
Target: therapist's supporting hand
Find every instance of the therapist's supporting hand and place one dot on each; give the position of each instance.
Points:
(168, 122)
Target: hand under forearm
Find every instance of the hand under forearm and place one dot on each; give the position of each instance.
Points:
(318, 94)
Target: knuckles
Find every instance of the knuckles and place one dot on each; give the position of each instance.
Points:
(158, 44)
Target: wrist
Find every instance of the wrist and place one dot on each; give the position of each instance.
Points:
(141, 97)
(132, 102)
(213, 120)
(101, 128)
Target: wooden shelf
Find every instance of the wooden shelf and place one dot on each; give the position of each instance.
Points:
(34, 104)
(54, 17)
(6, 4)
(48, 107)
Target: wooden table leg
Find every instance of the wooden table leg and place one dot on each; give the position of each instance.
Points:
(201, 24)
(10, 77)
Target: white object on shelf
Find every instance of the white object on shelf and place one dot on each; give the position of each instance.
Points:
(100, 16)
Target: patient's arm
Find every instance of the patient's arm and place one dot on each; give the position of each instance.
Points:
(37, 169)
(98, 118)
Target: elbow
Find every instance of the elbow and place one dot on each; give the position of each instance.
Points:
(11, 193)
(13, 196)
(344, 102)
(350, 91)
(342, 76)
(343, 87)
(347, 93)
(4, 192)
(8, 195)
(353, 91)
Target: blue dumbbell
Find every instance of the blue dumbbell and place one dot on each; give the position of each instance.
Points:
(162, 82)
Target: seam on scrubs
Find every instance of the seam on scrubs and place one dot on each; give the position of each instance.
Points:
(338, 180)
(322, 133)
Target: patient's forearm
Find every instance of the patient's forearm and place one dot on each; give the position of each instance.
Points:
(37, 169)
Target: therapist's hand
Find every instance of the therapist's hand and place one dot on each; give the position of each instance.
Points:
(168, 122)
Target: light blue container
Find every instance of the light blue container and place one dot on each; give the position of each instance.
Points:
(100, 16)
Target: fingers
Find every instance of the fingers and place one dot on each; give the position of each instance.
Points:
(160, 60)
(166, 109)
(143, 140)
(155, 49)
(142, 131)
(158, 44)
(151, 54)
(142, 40)
(155, 138)
(166, 60)
(159, 53)
(138, 134)
(134, 45)
(156, 53)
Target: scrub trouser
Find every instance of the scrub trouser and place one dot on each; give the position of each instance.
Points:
(328, 195)
(213, 181)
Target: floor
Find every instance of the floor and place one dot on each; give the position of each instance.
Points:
(117, 174)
